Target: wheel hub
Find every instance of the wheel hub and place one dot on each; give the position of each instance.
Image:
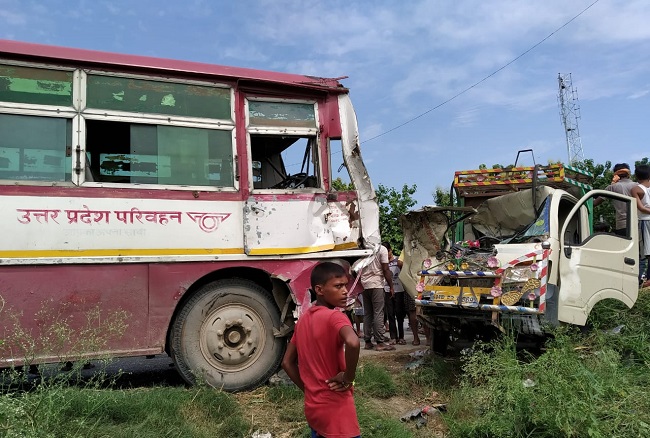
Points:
(232, 337)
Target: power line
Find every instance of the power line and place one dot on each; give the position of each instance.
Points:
(486, 77)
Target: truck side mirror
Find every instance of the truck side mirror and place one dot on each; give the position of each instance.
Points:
(546, 245)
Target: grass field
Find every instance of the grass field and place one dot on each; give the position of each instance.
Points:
(584, 384)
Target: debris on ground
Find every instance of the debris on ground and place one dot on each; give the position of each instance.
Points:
(419, 358)
(414, 364)
(440, 407)
(419, 415)
(419, 353)
(616, 330)
(280, 379)
(528, 383)
(258, 434)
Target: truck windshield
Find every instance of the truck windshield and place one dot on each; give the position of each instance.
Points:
(539, 228)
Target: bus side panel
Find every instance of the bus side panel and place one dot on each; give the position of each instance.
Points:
(50, 227)
(69, 310)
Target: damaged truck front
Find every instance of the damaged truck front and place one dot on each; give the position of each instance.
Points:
(527, 259)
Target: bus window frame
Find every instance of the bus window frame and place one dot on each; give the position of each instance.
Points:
(154, 119)
(42, 110)
(167, 118)
(288, 131)
(55, 108)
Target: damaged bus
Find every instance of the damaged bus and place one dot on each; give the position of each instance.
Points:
(164, 192)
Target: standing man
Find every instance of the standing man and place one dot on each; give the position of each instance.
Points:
(409, 306)
(373, 278)
(395, 303)
(621, 183)
(625, 186)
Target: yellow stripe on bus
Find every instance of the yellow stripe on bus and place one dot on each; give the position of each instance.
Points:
(118, 252)
(349, 245)
(299, 250)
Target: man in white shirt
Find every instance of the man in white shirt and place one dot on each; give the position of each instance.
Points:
(642, 174)
(372, 279)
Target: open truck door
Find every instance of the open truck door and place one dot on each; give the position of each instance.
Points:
(596, 266)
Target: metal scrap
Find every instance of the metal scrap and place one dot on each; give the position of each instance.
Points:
(419, 415)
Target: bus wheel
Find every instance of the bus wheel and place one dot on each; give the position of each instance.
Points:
(223, 336)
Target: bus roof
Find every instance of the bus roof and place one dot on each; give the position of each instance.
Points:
(91, 58)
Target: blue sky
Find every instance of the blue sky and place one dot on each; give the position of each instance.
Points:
(402, 59)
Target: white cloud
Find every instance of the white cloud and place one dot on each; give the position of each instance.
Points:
(639, 94)
(466, 117)
(610, 22)
(430, 47)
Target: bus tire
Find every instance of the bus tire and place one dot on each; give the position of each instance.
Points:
(223, 336)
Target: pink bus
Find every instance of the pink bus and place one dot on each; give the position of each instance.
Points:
(151, 205)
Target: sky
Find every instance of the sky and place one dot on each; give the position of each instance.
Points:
(404, 61)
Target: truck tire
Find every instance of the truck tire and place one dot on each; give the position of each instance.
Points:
(439, 341)
(223, 336)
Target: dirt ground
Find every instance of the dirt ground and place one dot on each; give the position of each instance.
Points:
(395, 362)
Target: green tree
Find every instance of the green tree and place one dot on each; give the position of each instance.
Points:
(392, 205)
(602, 178)
(341, 186)
(643, 160)
(441, 197)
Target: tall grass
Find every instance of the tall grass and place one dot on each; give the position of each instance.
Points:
(152, 412)
(592, 384)
(55, 404)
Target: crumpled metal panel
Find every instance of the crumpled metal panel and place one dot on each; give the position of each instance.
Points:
(368, 207)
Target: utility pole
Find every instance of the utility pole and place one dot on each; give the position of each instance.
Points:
(570, 113)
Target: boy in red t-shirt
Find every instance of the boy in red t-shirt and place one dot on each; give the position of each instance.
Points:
(317, 361)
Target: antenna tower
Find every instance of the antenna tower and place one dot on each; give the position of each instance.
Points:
(570, 113)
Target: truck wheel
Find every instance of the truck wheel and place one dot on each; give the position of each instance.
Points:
(224, 336)
(439, 341)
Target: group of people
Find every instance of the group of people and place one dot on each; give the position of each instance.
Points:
(640, 190)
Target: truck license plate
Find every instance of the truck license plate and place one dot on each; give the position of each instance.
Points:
(447, 297)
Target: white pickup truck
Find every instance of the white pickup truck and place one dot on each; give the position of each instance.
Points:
(526, 259)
